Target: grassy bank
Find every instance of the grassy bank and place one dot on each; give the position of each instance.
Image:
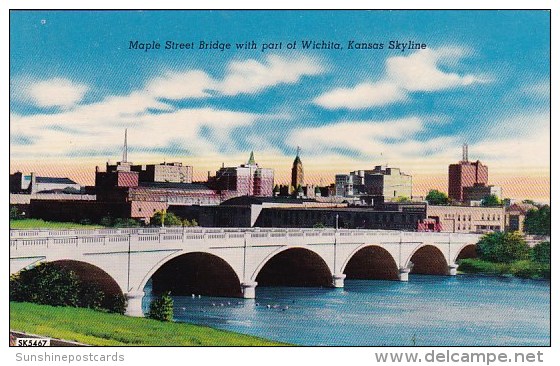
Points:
(27, 224)
(103, 329)
(522, 268)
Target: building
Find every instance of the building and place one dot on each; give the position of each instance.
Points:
(297, 172)
(478, 192)
(33, 184)
(164, 172)
(388, 182)
(466, 219)
(245, 180)
(303, 213)
(515, 215)
(350, 185)
(465, 174)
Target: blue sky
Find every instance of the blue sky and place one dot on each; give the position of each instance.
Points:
(483, 79)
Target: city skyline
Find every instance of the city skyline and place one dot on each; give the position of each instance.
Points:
(76, 85)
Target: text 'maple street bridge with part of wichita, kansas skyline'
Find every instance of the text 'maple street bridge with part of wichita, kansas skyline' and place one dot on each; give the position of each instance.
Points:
(231, 262)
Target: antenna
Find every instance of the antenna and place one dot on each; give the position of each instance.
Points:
(465, 152)
(125, 147)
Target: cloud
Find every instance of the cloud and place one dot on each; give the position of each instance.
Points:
(420, 72)
(181, 85)
(56, 92)
(362, 96)
(252, 76)
(403, 74)
(356, 137)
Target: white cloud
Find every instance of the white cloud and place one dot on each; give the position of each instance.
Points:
(365, 137)
(420, 72)
(403, 74)
(251, 76)
(362, 96)
(183, 85)
(57, 92)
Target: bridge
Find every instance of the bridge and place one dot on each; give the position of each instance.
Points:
(232, 262)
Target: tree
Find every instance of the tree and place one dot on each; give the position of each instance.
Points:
(168, 218)
(537, 222)
(541, 252)
(15, 214)
(500, 247)
(435, 197)
(491, 200)
(161, 308)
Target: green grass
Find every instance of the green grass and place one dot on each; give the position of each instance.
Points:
(104, 329)
(41, 224)
(521, 268)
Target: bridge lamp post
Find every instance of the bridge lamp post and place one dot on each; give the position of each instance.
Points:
(336, 222)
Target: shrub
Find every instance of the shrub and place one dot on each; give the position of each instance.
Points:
(125, 223)
(161, 308)
(526, 269)
(502, 247)
(90, 296)
(46, 284)
(115, 303)
(52, 284)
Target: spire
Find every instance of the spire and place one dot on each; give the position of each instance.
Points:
(465, 152)
(125, 147)
(251, 159)
(297, 160)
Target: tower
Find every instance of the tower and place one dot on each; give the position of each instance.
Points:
(125, 147)
(465, 174)
(297, 172)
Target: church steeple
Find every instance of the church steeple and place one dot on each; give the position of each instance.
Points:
(251, 159)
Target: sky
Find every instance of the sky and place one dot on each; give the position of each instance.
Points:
(482, 78)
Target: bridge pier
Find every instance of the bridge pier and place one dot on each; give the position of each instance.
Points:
(403, 274)
(134, 303)
(452, 269)
(248, 289)
(338, 280)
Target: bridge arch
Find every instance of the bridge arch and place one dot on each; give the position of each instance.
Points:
(467, 251)
(293, 266)
(428, 259)
(371, 262)
(198, 273)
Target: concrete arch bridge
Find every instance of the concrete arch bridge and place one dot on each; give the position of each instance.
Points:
(232, 262)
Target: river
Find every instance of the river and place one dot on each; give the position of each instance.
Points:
(464, 310)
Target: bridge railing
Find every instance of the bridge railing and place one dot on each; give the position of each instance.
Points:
(20, 239)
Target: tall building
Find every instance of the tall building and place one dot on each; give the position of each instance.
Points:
(381, 181)
(297, 172)
(164, 172)
(244, 180)
(466, 174)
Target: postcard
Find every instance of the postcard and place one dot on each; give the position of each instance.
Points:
(290, 177)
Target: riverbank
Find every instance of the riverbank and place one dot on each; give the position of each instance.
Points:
(522, 268)
(103, 329)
